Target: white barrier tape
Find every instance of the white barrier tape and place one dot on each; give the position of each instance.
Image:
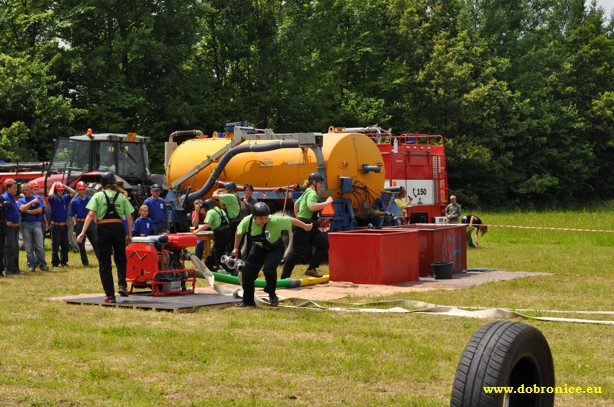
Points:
(444, 310)
(547, 228)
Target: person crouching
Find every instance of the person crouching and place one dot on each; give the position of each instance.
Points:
(267, 249)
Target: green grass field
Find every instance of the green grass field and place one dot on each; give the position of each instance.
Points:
(55, 354)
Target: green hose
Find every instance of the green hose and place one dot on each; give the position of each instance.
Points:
(281, 283)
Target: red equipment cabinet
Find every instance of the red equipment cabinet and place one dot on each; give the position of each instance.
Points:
(160, 266)
(439, 243)
(374, 256)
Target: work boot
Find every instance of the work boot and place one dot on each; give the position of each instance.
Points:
(244, 305)
(313, 273)
(273, 300)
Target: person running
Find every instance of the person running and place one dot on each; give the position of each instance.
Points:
(267, 249)
(306, 209)
(58, 209)
(78, 212)
(106, 208)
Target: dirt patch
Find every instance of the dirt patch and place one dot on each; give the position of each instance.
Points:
(335, 290)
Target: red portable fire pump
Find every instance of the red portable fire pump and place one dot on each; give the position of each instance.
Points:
(157, 262)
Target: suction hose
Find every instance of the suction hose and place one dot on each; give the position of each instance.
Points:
(244, 148)
(281, 283)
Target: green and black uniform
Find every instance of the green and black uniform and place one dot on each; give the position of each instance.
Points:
(110, 206)
(222, 236)
(267, 250)
(302, 240)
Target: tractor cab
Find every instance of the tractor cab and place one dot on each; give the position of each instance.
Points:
(85, 157)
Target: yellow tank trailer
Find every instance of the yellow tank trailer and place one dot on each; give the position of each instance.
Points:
(347, 158)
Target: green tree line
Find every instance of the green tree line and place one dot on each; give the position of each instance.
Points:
(522, 90)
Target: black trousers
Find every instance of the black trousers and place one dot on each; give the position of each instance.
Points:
(302, 241)
(111, 241)
(11, 250)
(2, 237)
(222, 243)
(258, 258)
(59, 245)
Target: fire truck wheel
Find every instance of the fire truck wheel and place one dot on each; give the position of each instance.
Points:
(505, 354)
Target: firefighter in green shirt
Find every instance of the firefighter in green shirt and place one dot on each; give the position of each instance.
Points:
(230, 202)
(216, 221)
(306, 209)
(106, 208)
(267, 249)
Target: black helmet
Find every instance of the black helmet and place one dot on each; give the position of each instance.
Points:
(208, 204)
(314, 176)
(108, 178)
(261, 209)
(230, 186)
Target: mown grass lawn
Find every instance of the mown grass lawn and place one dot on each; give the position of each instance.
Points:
(55, 354)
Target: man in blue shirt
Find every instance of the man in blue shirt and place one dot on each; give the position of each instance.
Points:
(12, 220)
(78, 212)
(58, 205)
(4, 206)
(158, 213)
(32, 208)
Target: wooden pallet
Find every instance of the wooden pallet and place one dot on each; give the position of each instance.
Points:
(144, 300)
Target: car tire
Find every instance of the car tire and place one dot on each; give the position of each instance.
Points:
(505, 354)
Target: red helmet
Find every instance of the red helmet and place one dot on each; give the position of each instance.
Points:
(33, 184)
(58, 186)
(9, 181)
(81, 186)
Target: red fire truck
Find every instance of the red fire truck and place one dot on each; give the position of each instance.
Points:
(21, 172)
(416, 162)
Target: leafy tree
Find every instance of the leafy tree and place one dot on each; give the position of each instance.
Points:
(32, 110)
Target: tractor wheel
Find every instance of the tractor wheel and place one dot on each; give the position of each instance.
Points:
(505, 354)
